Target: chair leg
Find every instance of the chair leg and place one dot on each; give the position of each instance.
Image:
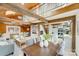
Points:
(24, 54)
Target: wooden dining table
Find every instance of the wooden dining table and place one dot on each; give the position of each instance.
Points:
(36, 50)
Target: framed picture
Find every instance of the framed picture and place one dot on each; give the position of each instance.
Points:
(13, 29)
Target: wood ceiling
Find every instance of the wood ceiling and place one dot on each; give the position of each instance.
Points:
(30, 5)
(25, 9)
(27, 6)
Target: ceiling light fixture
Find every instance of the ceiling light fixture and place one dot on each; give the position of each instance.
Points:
(19, 17)
(9, 13)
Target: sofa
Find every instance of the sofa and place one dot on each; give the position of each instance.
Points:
(6, 48)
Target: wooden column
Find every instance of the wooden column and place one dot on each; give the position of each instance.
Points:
(73, 34)
(38, 31)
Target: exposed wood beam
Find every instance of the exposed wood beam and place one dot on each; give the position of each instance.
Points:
(30, 5)
(38, 6)
(66, 9)
(22, 10)
(17, 22)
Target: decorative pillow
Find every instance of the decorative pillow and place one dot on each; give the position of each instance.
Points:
(3, 43)
(2, 38)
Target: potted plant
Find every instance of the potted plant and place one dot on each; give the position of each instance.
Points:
(47, 37)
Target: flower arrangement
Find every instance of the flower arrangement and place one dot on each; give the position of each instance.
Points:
(47, 36)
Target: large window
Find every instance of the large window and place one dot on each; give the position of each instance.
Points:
(46, 8)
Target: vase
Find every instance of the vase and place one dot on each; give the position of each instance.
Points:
(45, 43)
(41, 44)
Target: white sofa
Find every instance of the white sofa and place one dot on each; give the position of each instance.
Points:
(6, 48)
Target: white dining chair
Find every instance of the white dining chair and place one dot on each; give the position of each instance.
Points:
(29, 42)
(62, 48)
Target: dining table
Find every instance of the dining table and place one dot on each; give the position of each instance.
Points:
(36, 50)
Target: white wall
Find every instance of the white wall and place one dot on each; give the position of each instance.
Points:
(77, 34)
(50, 29)
(42, 29)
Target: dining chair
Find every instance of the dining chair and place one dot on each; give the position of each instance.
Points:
(29, 42)
(61, 49)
